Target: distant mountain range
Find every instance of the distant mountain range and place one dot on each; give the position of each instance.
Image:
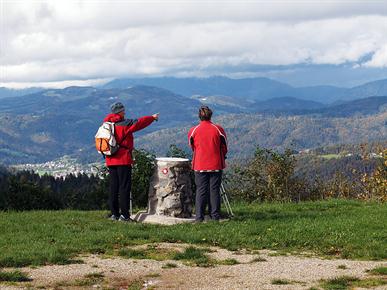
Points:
(256, 89)
(7, 93)
(51, 123)
(294, 106)
(239, 90)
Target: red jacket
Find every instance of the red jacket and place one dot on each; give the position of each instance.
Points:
(209, 145)
(124, 129)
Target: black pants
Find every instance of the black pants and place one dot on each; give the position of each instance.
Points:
(120, 185)
(208, 188)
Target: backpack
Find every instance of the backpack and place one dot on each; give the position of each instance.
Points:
(105, 140)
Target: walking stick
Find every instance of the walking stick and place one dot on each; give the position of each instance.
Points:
(130, 205)
(226, 201)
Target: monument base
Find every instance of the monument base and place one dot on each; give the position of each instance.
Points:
(145, 217)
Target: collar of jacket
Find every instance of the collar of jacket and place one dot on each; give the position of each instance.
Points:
(113, 118)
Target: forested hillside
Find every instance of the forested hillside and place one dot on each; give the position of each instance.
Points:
(246, 131)
(49, 124)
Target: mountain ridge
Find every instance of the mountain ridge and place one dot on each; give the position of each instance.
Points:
(257, 89)
(52, 123)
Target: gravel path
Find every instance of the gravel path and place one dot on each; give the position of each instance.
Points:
(118, 273)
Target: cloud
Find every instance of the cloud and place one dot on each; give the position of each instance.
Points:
(121, 14)
(80, 40)
(379, 59)
(57, 84)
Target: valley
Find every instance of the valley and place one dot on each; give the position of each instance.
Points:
(48, 124)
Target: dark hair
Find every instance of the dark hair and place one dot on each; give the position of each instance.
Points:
(205, 113)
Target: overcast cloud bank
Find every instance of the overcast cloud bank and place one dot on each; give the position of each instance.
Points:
(57, 41)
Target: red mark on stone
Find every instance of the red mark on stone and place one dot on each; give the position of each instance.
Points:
(165, 171)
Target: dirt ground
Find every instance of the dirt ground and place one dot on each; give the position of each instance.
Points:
(256, 270)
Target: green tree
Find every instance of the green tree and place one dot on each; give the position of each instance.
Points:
(142, 171)
(268, 176)
(175, 151)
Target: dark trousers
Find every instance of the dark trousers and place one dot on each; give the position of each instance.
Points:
(120, 186)
(208, 188)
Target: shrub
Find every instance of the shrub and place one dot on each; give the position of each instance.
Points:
(271, 175)
(268, 176)
(175, 151)
(375, 184)
(141, 174)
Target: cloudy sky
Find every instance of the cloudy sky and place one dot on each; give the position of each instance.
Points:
(88, 42)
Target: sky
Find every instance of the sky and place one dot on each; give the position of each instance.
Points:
(304, 42)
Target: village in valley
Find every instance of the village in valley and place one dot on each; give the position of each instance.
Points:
(62, 167)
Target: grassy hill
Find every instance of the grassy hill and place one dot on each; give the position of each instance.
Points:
(334, 228)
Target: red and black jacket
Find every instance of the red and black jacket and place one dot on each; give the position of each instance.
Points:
(124, 129)
(209, 145)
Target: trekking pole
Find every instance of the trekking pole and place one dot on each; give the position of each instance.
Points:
(226, 200)
(130, 205)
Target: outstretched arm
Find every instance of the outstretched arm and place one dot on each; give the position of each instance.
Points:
(143, 122)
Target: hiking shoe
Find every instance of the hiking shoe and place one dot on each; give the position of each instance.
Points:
(125, 219)
(113, 217)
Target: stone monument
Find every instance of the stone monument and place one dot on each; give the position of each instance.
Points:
(170, 198)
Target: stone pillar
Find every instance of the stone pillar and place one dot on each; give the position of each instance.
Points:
(170, 192)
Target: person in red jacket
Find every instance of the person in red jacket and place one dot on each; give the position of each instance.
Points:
(209, 145)
(120, 164)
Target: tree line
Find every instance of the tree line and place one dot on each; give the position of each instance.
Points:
(269, 175)
(26, 190)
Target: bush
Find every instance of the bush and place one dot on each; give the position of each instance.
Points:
(268, 176)
(175, 151)
(375, 184)
(141, 174)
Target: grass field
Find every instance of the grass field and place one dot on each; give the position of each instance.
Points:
(335, 228)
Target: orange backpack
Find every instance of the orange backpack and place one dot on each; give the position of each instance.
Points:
(105, 140)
